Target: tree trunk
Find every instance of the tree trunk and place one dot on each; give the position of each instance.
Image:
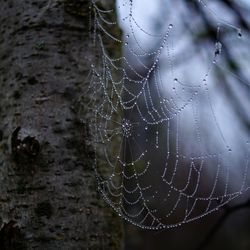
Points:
(49, 197)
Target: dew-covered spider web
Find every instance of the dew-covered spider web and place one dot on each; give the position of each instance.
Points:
(170, 116)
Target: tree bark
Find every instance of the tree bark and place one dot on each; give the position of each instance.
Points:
(49, 197)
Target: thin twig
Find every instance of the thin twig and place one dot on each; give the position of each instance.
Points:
(229, 211)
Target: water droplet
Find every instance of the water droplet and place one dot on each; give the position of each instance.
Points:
(218, 48)
(170, 26)
(239, 33)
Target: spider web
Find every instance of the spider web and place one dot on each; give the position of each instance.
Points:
(164, 151)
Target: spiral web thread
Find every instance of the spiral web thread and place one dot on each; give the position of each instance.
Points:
(144, 167)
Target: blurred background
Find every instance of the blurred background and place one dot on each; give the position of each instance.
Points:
(198, 55)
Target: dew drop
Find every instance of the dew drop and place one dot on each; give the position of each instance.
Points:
(239, 33)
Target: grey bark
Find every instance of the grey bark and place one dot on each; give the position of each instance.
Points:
(48, 198)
